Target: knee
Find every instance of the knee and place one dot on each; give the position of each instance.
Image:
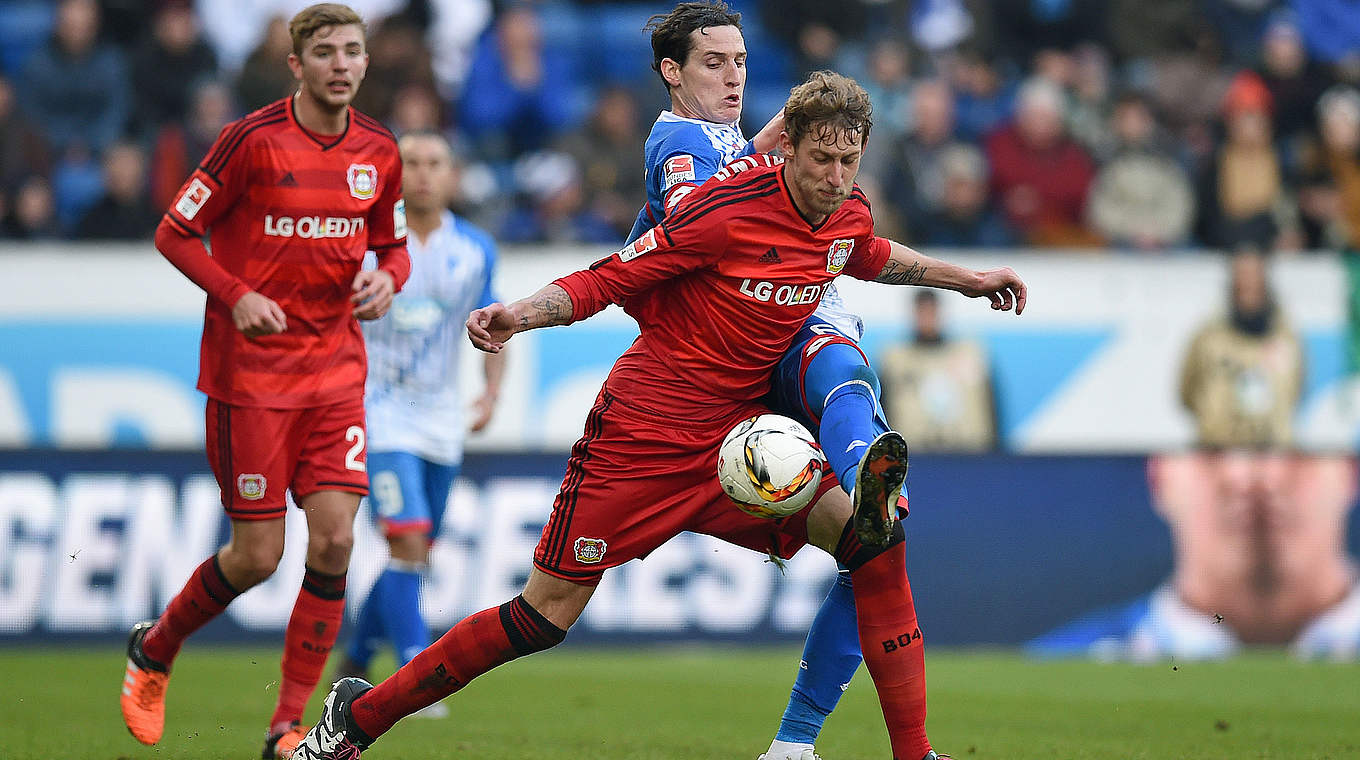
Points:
(409, 547)
(247, 564)
(328, 550)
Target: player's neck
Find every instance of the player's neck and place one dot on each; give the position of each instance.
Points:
(318, 118)
(422, 223)
(800, 203)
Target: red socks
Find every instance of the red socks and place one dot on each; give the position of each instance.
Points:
(203, 598)
(893, 648)
(308, 640)
(472, 647)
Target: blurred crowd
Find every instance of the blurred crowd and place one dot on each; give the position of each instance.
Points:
(1134, 125)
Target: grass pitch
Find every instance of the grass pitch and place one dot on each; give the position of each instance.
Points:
(691, 704)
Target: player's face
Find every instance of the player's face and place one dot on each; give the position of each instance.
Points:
(332, 64)
(426, 173)
(821, 169)
(711, 84)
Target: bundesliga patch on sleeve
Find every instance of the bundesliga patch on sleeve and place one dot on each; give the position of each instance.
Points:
(399, 219)
(195, 195)
(678, 169)
(645, 242)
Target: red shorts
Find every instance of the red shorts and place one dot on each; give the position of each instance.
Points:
(636, 479)
(259, 454)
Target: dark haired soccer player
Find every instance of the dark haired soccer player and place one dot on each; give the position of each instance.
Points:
(824, 379)
(714, 316)
(292, 197)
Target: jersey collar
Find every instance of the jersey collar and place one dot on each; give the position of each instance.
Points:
(325, 142)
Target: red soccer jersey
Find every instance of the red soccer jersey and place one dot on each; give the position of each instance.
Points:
(720, 287)
(290, 214)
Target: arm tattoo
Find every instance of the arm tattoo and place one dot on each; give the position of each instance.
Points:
(894, 273)
(552, 307)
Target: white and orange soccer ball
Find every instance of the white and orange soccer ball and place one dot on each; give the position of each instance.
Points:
(770, 466)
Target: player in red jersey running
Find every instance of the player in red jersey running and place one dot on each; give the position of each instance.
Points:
(292, 197)
(715, 314)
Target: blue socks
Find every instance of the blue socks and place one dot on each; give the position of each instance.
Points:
(392, 611)
(830, 658)
(847, 430)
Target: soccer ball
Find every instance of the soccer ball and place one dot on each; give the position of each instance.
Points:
(770, 466)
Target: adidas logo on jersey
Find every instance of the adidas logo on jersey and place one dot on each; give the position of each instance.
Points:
(287, 181)
(770, 257)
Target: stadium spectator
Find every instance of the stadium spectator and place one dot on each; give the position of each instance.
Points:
(965, 217)
(815, 31)
(75, 86)
(889, 84)
(178, 146)
(262, 80)
(1329, 192)
(913, 181)
(398, 58)
(167, 66)
(983, 97)
(1040, 176)
(33, 211)
(937, 389)
(23, 149)
(1294, 81)
(1242, 375)
(1142, 198)
(452, 35)
(516, 99)
(124, 212)
(607, 150)
(1259, 558)
(1330, 28)
(416, 108)
(555, 208)
(1242, 192)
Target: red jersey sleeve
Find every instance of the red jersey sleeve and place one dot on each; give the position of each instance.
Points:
(387, 226)
(659, 254)
(208, 194)
(869, 257)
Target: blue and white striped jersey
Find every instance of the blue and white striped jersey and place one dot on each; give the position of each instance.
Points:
(680, 155)
(412, 396)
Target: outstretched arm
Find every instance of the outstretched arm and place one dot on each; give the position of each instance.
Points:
(491, 326)
(906, 266)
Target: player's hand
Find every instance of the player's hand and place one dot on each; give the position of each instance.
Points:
(1003, 287)
(255, 314)
(482, 410)
(490, 327)
(373, 291)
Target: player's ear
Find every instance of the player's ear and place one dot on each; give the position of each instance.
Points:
(295, 65)
(670, 71)
(785, 144)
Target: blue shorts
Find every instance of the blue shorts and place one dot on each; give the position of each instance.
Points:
(408, 494)
(795, 376)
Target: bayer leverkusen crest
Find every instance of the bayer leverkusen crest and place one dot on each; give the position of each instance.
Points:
(363, 180)
(839, 254)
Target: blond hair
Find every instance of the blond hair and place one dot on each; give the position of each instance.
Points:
(313, 18)
(828, 103)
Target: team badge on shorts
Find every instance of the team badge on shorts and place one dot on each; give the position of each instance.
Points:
(589, 551)
(839, 254)
(363, 180)
(251, 486)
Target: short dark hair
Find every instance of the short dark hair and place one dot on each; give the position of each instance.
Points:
(826, 103)
(670, 31)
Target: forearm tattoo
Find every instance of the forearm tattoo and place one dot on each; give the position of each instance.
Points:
(548, 308)
(895, 273)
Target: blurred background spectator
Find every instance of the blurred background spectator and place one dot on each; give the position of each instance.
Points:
(123, 212)
(937, 389)
(1142, 197)
(1242, 375)
(1227, 100)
